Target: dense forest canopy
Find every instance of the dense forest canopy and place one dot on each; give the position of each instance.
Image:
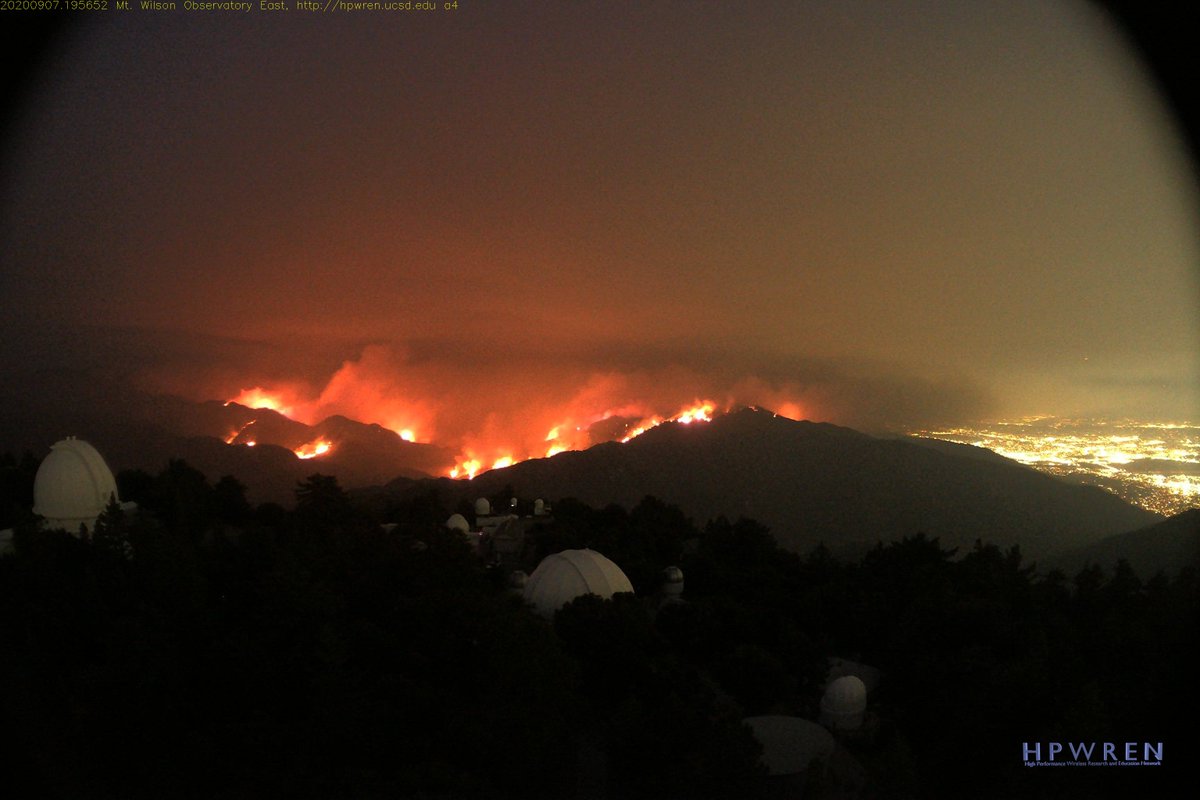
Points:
(204, 648)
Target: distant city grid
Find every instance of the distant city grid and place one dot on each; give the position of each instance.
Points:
(1155, 465)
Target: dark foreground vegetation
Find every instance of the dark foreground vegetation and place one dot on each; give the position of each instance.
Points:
(204, 648)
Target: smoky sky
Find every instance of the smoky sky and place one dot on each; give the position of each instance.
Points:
(897, 212)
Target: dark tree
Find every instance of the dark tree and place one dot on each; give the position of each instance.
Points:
(229, 500)
(321, 501)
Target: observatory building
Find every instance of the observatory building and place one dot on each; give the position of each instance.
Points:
(562, 577)
(73, 486)
(457, 522)
(844, 704)
(502, 538)
(840, 667)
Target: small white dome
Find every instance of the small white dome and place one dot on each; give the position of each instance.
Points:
(870, 676)
(672, 582)
(790, 744)
(844, 703)
(458, 522)
(483, 507)
(562, 577)
(73, 486)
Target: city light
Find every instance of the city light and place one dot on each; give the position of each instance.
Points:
(1155, 465)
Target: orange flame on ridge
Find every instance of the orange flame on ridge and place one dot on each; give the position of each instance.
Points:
(573, 411)
(233, 435)
(468, 465)
(258, 397)
(701, 411)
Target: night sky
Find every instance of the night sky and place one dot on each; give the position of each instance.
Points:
(887, 216)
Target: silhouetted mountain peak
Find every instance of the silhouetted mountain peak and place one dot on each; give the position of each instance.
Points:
(748, 423)
(1167, 545)
(814, 481)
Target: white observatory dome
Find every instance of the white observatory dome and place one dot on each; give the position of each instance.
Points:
(790, 744)
(458, 522)
(73, 486)
(844, 703)
(562, 577)
(672, 587)
(483, 507)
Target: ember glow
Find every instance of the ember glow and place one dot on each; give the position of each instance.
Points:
(1155, 465)
(240, 437)
(235, 436)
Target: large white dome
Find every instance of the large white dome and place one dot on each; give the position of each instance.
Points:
(562, 577)
(73, 486)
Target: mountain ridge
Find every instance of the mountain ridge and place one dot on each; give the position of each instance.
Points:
(1164, 546)
(817, 482)
(808, 481)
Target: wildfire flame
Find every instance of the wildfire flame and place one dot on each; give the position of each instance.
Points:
(565, 437)
(258, 397)
(233, 435)
(699, 413)
(702, 411)
(317, 447)
(592, 408)
(466, 469)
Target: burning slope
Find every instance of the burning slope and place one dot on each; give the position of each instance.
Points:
(317, 447)
(497, 415)
(571, 436)
(259, 397)
(481, 455)
(491, 449)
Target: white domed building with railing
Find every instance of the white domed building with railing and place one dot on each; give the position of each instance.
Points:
(73, 486)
